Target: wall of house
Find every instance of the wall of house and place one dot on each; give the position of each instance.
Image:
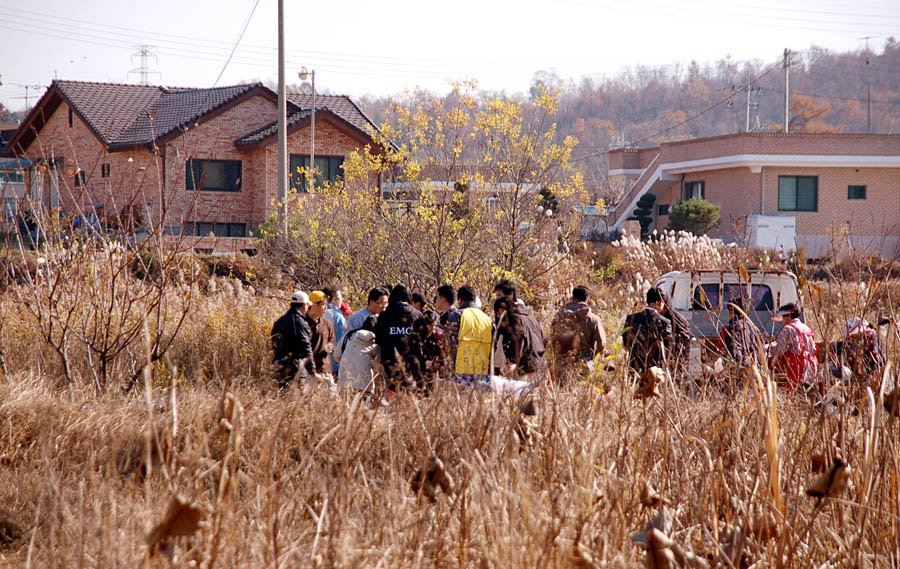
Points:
(872, 223)
(214, 139)
(133, 176)
(330, 141)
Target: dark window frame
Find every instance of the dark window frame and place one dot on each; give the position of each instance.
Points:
(104, 170)
(70, 117)
(797, 195)
(856, 192)
(216, 228)
(689, 189)
(80, 179)
(334, 173)
(196, 174)
(663, 209)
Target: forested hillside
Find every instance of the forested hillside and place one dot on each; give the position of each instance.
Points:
(645, 105)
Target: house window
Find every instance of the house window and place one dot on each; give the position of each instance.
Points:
(856, 192)
(213, 175)
(798, 193)
(328, 169)
(12, 177)
(70, 117)
(104, 170)
(695, 189)
(663, 209)
(204, 229)
(80, 179)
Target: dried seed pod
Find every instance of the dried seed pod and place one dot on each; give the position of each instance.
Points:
(650, 498)
(433, 477)
(181, 518)
(832, 482)
(659, 550)
(649, 382)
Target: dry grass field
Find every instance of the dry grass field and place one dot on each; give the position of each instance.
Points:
(224, 470)
(139, 427)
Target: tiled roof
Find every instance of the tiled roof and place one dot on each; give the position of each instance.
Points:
(126, 115)
(175, 108)
(108, 108)
(271, 129)
(340, 105)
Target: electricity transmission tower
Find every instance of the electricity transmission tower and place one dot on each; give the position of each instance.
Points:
(144, 71)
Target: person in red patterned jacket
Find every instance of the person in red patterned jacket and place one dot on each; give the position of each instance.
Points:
(793, 353)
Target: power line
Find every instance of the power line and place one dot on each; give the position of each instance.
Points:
(692, 117)
(238, 41)
(731, 17)
(754, 8)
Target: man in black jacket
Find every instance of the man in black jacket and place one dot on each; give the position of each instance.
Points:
(648, 335)
(291, 341)
(392, 334)
(519, 335)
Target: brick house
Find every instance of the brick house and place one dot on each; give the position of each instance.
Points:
(202, 161)
(12, 179)
(827, 183)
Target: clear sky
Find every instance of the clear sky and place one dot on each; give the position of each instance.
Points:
(359, 47)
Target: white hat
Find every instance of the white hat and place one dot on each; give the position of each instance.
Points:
(854, 325)
(300, 297)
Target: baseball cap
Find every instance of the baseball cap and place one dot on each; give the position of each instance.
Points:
(317, 296)
(299, 297)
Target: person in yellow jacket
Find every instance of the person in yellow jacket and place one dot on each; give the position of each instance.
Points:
(473, 353)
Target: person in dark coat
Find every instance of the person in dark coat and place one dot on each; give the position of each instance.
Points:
(681, 336)
(740, 337)
(577, 335)
(447, 328)
(648, 335)
(392, 334)
(292, 350)
(428, 350)
(519, 335)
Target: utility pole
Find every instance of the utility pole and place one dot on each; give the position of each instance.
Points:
(868, 89)
(282, 124)
(747, 128)
(787, 91)
(27, 96)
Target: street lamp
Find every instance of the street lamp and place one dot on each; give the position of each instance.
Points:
(304, 74)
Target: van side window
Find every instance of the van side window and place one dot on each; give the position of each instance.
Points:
(705, 297)
(760, 296)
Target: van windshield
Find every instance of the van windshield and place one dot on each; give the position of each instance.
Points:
(706, 296)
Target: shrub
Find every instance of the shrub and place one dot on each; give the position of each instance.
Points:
(695, 215)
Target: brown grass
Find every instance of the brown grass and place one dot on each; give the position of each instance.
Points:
(317, 479)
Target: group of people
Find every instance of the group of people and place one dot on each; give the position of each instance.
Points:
(411, 342)
(659, 336)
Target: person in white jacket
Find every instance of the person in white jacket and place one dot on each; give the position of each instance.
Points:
(356, 354)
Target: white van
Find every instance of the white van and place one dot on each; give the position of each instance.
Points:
(702, 297)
